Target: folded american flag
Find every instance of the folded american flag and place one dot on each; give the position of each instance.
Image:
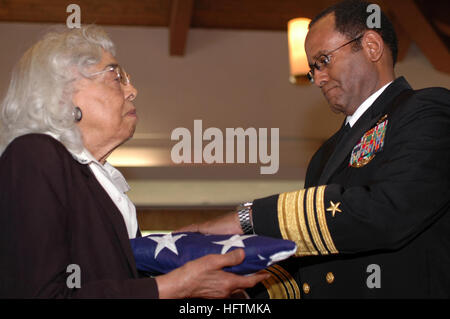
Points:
(158, 254)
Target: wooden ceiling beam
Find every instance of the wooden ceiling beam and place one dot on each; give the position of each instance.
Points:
(417, 27)
(254, 14)
(103, 12)
(415, 21)
(180, 21)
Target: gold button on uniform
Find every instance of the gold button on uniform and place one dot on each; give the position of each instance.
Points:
(330, 277)
(306, 288)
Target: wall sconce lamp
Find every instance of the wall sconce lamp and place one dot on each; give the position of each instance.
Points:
(297, 30)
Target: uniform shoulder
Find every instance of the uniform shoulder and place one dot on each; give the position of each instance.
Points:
(433, 90)
(434, 99)
(437, 95)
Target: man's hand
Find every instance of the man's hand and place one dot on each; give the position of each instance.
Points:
(222, 225)
(204, 278)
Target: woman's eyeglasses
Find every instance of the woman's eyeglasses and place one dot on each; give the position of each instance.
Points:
(118, 73)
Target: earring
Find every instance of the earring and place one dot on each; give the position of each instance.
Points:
(77, 114)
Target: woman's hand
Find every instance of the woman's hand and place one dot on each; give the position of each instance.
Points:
(204, 278)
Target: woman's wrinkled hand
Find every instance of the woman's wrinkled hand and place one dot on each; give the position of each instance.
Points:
(204, 278)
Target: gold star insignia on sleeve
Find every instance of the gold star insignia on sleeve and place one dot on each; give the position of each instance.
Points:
(334, 208)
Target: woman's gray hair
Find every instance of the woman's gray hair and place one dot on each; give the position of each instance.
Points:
(39, 97)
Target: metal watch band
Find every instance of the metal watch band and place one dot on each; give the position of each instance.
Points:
(244, 218)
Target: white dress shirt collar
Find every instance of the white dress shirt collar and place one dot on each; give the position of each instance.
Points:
(351, 119)
(85, 157)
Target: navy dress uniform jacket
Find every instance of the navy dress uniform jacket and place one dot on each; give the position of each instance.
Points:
(54, 214)
(379, 228)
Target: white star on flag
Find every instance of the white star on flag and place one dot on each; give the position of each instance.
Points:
(166, 241)
(233, 241)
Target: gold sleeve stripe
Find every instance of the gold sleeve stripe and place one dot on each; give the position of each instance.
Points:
(292, 222)
(312, 221)
(320, 207)
(289, 279)
(290, 227)
(282, 216)
(281, 285)
(300, 219)
(291, 213)
(274, 287)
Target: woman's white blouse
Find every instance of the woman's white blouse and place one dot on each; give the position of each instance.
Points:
(115, 185)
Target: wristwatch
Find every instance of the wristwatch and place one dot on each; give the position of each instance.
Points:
(244, 217)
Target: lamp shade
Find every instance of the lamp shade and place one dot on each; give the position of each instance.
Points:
(297, 30)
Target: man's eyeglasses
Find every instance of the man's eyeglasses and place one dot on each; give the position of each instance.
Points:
(117, 71)
(325, 59)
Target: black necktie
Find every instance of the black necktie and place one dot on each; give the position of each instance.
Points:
(344, 133)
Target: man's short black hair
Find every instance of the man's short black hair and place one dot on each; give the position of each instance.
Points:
(351, 20)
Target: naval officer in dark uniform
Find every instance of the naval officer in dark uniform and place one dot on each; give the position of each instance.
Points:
(373, 220)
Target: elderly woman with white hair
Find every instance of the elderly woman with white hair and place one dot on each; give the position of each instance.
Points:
(68, 106)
